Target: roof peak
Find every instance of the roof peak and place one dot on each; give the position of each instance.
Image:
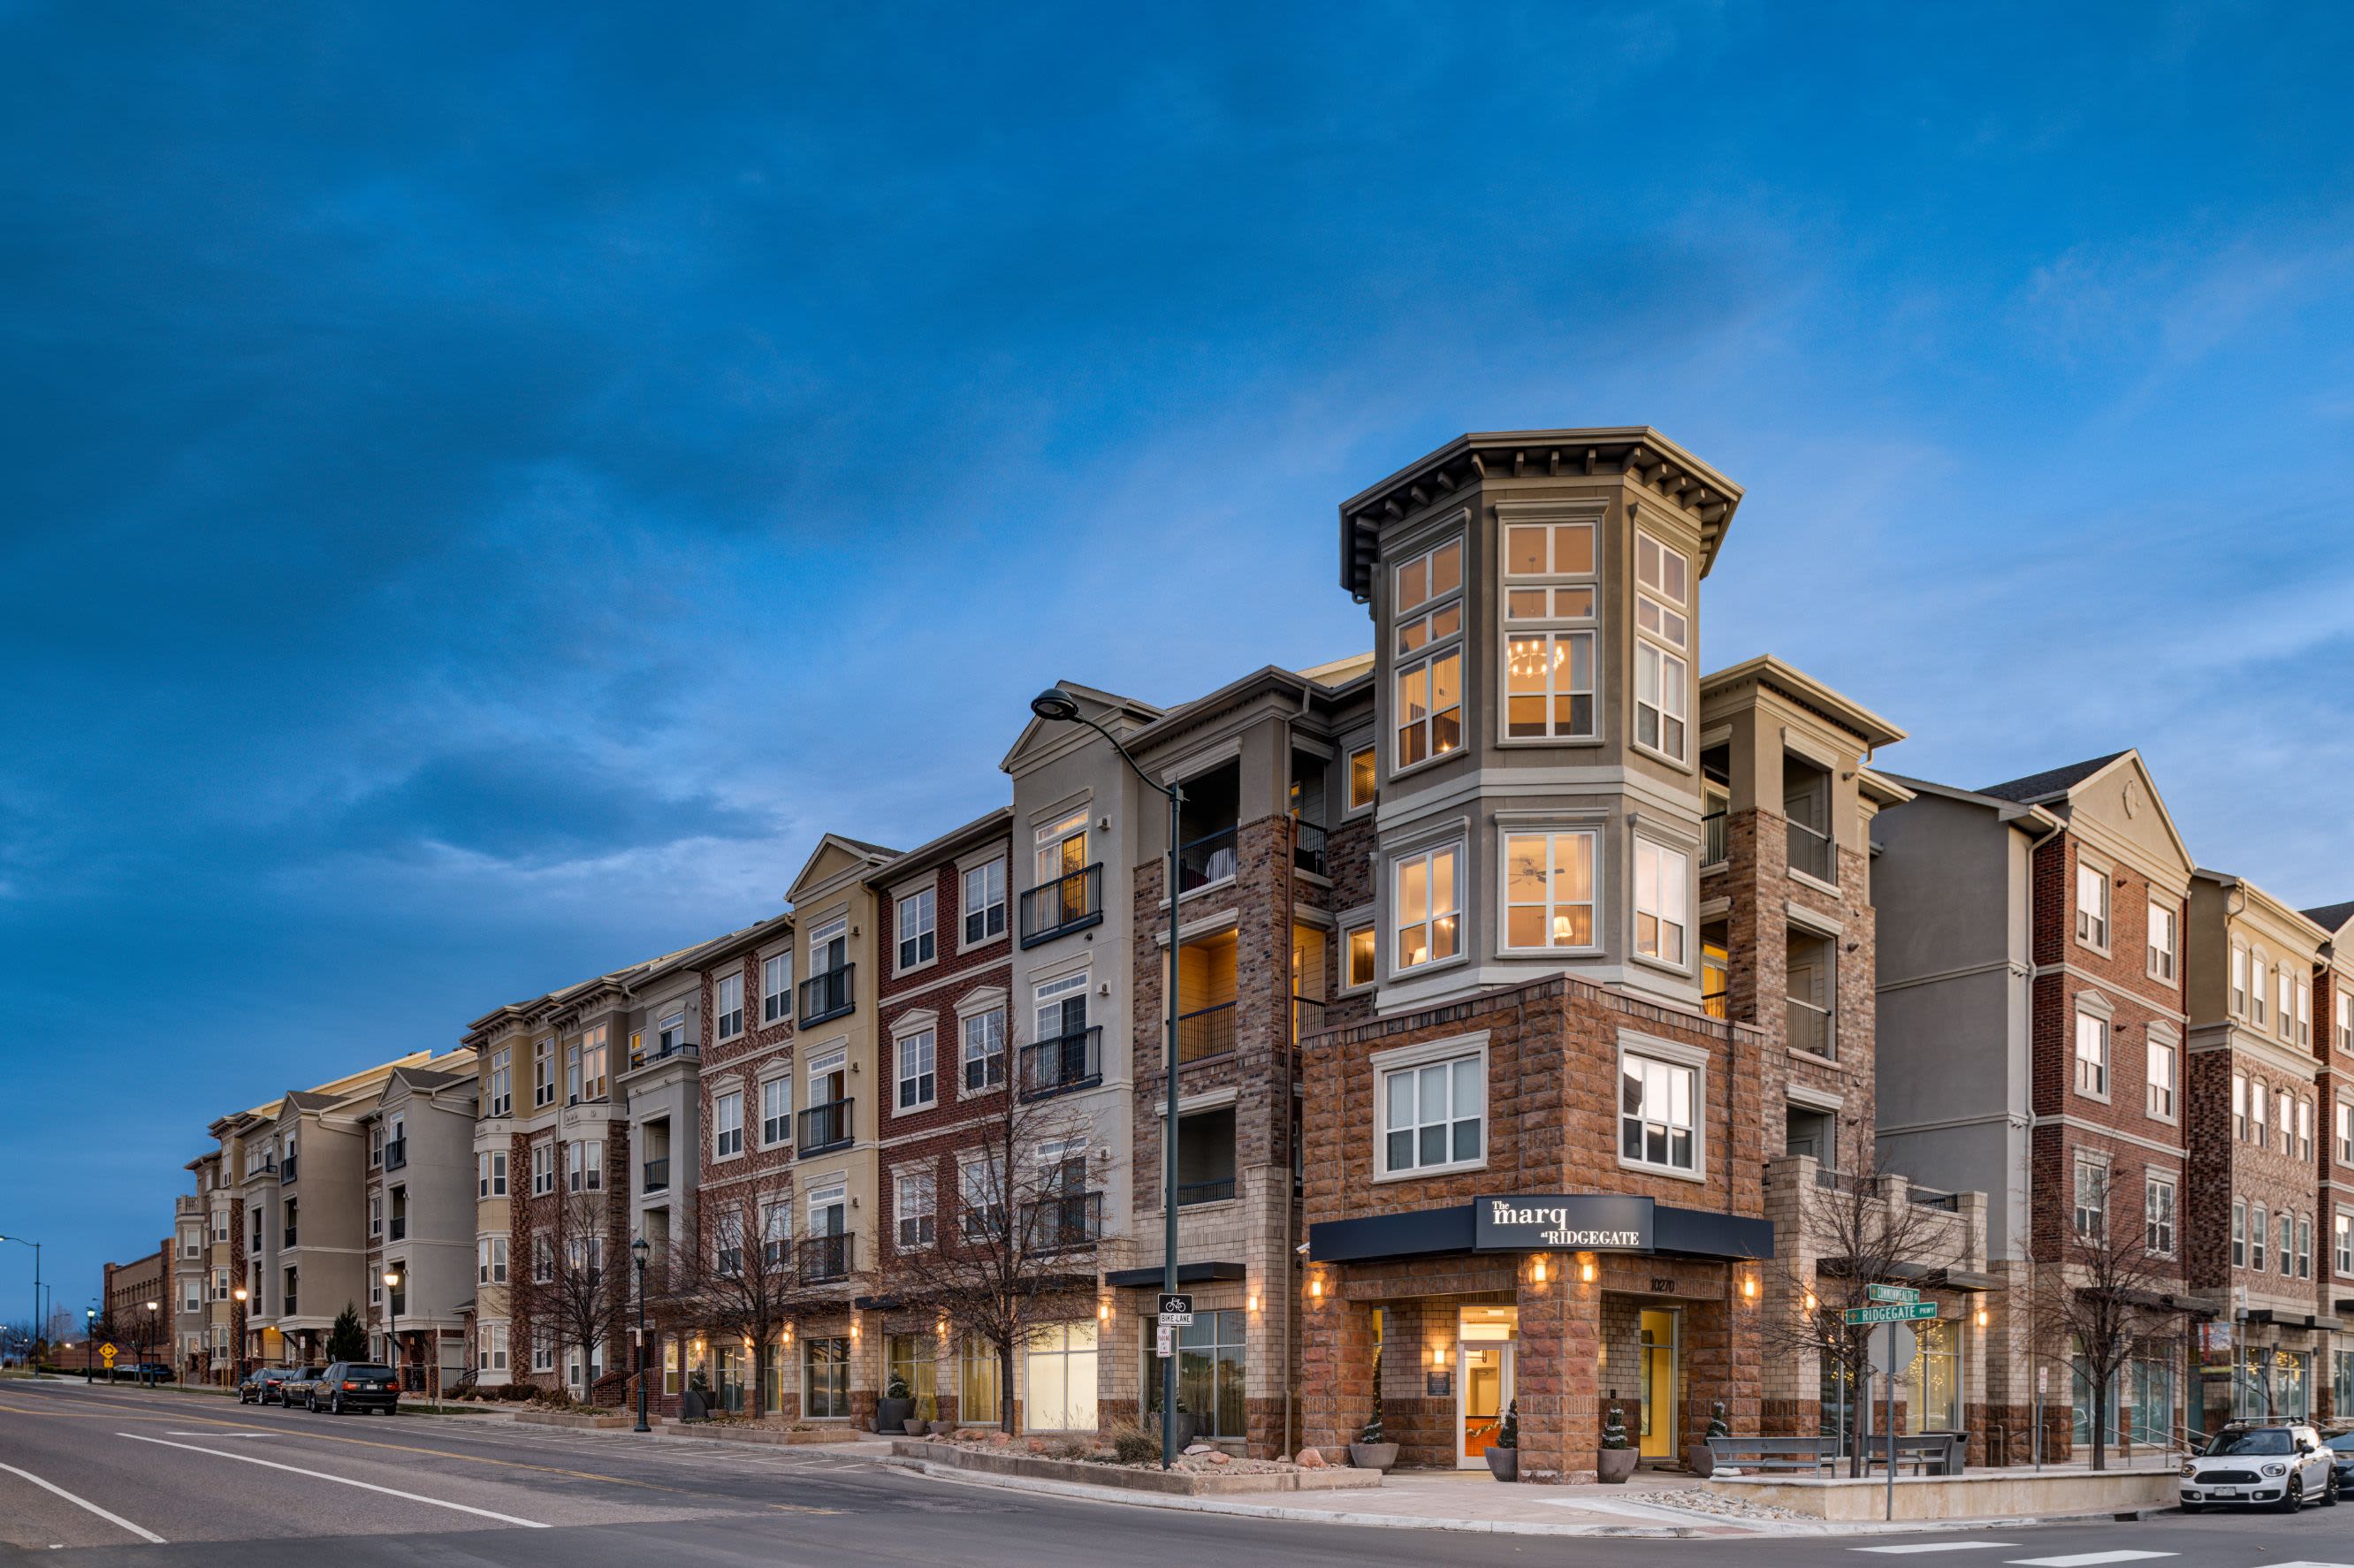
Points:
(2052, 782)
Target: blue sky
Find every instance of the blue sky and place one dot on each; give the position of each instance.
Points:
(484, 487)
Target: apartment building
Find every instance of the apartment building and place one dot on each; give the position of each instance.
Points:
(2032, 967)
(2258, 1118)
(134, 1297)
(210, 1274)
(2333, 1012)
(191, 1325)
(421, 1187)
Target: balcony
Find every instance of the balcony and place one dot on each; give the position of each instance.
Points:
(1205, 1032)
(1217, 1192)
(289, 1239)
(657, 1175)
(1208, 859)
(289, 1310)
(1712, 841)
(1810, 852)
(662, 1050)
(1066, 1063)
(1062, 1222)
(824, 1127)
(286, 1170)
(1307, 1015)
(1809, 1028)
(395, 1154)
(399, 1230)
(1069, 903)
(826, 1259)
(827, 995)
(1307, 848)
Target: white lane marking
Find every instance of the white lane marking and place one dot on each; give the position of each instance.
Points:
(339, 1480)
(2310, 1566)
(113, 1519)
(168, 1433)
(1940, 1546)
(2086, 1559)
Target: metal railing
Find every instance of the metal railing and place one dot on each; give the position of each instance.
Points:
(1713, 838)
(1061, 1223)
(642, 1056)
(1067, 1062)
(1192, 1192)
(289, 1239)
(1308, 840)
(396, 1153)
(1809, 1028)
(826, 994)
(1810, 852)
(399, 1228)
(824, 1127)
(1929, 1198)
(658, 1174)
(286, 1170)
(1208, 859)
(1307, 1015)
(1204, 1032)
(1066, 903)
(824, 1258)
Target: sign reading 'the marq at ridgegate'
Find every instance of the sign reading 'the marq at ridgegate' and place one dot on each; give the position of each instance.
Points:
(1580, 1222)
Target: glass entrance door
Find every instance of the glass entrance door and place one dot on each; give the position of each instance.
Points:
(1483, 1374)
(1658, 1349)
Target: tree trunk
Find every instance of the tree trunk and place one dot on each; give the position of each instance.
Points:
(1005, 1389)
(2100, 1421)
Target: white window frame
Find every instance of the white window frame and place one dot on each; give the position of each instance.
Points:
(2239, 993)
(988, 901)
(1412, 1060)
(1557, 633)
(978, 1044)
(915, 923)
(2158, 1233)
(1676, 1056)
(1441, 644)
(2260, 988)
(2091, 1075)
(914, 1058)
(543, 1071)
(728, 1005)
(2285, 1012)
(1433, 913)
(2260, 1107)
(1548, 843)
(2162, 1074)
(777, 988)
(2092, 925)
(1349, 932)
(2305, 1012)
(1675, 899)
(2259, 1235)
(2342, 1227)
(728, 1124)
(543, 1169)
(2304, 1130)
(1351, 804)
(2098, 1168)
(2346, 1132)
(503, 1081)
(777, 1128)
(1656, 652)
(908, 1187)
(2159, 960)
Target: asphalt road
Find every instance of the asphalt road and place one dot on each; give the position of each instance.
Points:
(183, 1479)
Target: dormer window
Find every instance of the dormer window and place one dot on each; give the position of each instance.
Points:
(1428, 616)
(1662, 646)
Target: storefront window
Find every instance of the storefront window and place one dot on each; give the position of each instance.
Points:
(2252, 1386)
(773, 1362)
(670, 1366)
(734, 1364)
(1060, 1373)
(825, 1379)
(1210, 1360)
(979, 1388)
(2292, 1385)
(1933, 1382)
(1838, 1397)
(2342, 1383)
(2151, 1419)
(910, 1359)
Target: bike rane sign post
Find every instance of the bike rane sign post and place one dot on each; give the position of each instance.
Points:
(1579, 1223)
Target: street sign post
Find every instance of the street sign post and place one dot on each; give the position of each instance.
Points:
(1891, 1293)
(107, 1353)
(1893, 1312)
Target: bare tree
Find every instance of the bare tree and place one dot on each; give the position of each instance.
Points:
(2104, 1300)
(566, 1288)
(1860, 1232)
(1007, 1259)
(738, 1276)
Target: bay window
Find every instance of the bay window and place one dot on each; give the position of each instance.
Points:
(1548, 891)
(1662, 675)
(1427, 615)
(1662, 902)
(1426, 908)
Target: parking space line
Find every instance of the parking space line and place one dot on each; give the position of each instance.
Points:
(341, 1480)
(2087, 1559)
(84, 1503)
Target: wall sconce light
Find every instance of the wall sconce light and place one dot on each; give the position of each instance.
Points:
(747, 1342)
(1250, 1302)
(1586, 1271)
(1749, 1288)
(1536, 1270)
(853, 1328)
(789, 1333)
(1316, 1287)
(1810, 1301)
(1439, 1355)
(941, 1328)
(1103, 1315)
(1982, 1317)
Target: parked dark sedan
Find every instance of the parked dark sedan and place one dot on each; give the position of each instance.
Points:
(260, 1385)
(295, 1387)
(2341, 1456)
(355, 1386)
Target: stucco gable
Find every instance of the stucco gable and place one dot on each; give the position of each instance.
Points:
(2117, 808)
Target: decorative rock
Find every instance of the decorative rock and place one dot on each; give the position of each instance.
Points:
(1310, 1459)
(1220, 1458)
(1200, 1448)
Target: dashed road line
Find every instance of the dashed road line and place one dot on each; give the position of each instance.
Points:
(343, 1481)
(1911, 1546)
(84, 1503)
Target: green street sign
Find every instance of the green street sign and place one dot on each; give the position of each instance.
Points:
(1891, 1293)
(1895, 1312)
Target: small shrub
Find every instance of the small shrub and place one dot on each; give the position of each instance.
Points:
(1071, 1448)
(1135, 1445)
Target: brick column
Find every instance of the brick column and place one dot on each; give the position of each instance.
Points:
(1336, 1364)
(1553, 1374)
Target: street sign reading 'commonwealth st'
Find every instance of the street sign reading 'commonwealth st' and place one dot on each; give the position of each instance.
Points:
(1572, 1222)
(1891, 1293)
(1894, 1312)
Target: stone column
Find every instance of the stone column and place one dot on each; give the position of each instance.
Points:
(1556, 1359)
(1336, 1363)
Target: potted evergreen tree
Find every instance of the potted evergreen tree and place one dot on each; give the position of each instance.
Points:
(1504, 1453)
(891, 1411)
(1372, 1450)
(1615, 1462)
(1698, 1457)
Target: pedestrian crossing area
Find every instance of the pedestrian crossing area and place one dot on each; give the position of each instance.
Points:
(2068, 1560)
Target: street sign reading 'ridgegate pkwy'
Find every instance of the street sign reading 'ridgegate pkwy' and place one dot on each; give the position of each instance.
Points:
(1895, 1312)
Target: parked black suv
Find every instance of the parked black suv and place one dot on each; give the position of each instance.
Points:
(294, 1388)
(356, 1386)
(260, 1387)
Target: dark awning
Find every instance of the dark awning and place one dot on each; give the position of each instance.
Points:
(1187, 1274)
(1678, 1232)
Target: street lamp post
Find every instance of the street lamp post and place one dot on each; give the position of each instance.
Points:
(20, 1241)
(88, 1346)
(392, 1324)
(638, 1250)
(1057, 705)
(147, 1347)
(236, 1328)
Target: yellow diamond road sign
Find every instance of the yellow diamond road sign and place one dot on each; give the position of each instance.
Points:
(107, 1354)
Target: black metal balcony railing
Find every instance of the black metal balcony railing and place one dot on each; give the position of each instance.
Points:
(1307, 848)
(1208, 859)
(288, 1240)
(290, 1309)
(1205, 1032)
(286, 1170)
(824, 1258)
(1810, 852)
(660, 1051)
(1218, 1191)
(1066, 1221)
(396, 1153)
(1066, 904)
(1067, 1062)
(824, 1127)
(1307, 1015)
(400, 1227)
(826, 994)
(1928, 1198)
(658, 1174)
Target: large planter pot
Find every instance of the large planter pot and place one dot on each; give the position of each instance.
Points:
(1700, 1459)
(1612, 1465)
(1504, 1464)
(1373, 1455)
(918, 1428)
(891, 1415)
(942, 1428)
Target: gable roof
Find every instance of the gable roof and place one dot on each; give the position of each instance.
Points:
(1107, 708)
(846, 854)
(2332, 917)
(2049, 784)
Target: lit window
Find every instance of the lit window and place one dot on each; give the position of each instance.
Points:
(1361, 951)
(1658, 1113)
(1663, 644)
(1662, 899)
(1429, 906)
(1548, 891)
(1428, 616)
(1361, 779)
